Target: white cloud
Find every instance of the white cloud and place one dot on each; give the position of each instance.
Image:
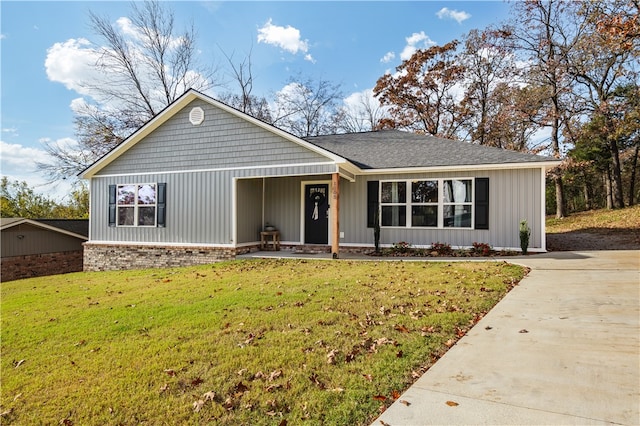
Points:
(72, 63)
(18, 162)
(388, 57)
(414, 42)
(16, 156)
(287, 38)
(12, 131)
(2, 36)
(127, 28)
(456, 15)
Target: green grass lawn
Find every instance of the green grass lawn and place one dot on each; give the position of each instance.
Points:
(244, 342)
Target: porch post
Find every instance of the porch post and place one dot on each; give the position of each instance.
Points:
(335, 217)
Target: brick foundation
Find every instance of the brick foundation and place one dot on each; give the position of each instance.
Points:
(39, 265)
(110, 257)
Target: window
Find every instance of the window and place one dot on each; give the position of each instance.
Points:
(393, 202)
(424, 203)
(136, 205)
(431, 203)
(457, 203)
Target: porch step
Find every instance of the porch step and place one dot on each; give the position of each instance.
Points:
(311, 249)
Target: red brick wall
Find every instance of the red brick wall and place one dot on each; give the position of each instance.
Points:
(39, 265)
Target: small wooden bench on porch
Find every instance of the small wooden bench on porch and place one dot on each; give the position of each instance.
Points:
(270, 238)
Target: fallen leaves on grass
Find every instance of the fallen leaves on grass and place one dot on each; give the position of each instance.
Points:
(401, 328)
(331, 356)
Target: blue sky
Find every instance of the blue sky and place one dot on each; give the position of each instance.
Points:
(350, 43)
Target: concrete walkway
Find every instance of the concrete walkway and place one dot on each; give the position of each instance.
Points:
(563, 347)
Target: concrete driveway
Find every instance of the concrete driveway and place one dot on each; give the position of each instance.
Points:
(563, 347)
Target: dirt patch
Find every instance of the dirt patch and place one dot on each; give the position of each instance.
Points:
(585, 240)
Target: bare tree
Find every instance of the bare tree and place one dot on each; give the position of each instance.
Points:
(307, 107)
(489, 74)
(245, 101)
(143, 69)
(361, 112)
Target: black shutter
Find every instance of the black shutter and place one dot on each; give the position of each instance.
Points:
(162, 204)
(372, 202)
(482, 203)
(112, 205)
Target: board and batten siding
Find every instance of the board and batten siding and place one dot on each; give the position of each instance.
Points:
(199, 205)
(514, 195)
(249, 211)
(221, 141)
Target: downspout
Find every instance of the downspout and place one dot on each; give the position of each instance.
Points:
(335, 217)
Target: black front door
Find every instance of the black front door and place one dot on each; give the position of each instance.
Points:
(316, 215)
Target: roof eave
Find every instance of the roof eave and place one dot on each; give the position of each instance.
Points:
(503, 166)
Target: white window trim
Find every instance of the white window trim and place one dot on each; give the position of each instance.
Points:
(136, 206)
(440, 204)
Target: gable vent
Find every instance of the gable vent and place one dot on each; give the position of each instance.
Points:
(196, 116)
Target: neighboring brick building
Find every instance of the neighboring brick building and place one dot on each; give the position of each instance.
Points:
(39, 247)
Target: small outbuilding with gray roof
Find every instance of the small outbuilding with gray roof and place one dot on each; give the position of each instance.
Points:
(40, 247)
(203, 181)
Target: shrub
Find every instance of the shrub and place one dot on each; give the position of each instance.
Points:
(401, 247)
(441, 248)
(482, 249)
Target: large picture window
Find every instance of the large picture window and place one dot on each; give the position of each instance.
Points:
(428, 203)
(137, 205)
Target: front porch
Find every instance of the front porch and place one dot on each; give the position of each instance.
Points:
(303, 212)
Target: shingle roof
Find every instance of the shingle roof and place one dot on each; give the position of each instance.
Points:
(77, 226)
(392, 149)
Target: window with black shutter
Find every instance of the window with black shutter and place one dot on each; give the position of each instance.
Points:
(372, 203)
(138, 204)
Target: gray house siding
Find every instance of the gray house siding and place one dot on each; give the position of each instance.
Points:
(514, 195)
(197, 209)
(249, 211)
(221, 141)
(26, 239)
(199, 206)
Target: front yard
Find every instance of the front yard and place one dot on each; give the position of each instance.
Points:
(244, 342)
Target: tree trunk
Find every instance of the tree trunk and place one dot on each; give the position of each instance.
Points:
(632, 185)
(560, 203)
(607, 186)
(586, 194)
(616, 176)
